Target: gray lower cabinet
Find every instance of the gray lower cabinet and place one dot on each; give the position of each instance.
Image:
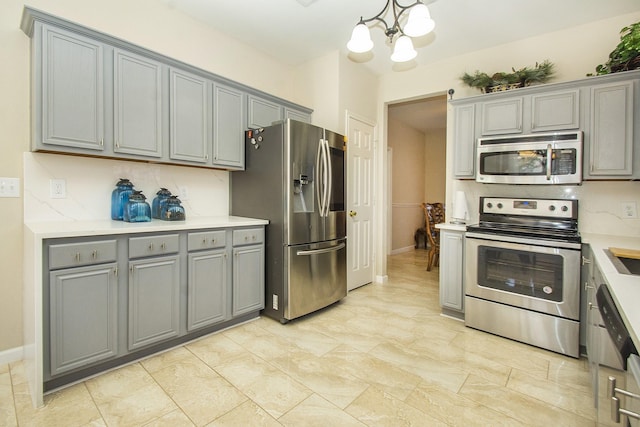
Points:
(229, 107)
(188, 117)
(452, 270)
(83, 316)
(82, 291)
(248, 271)
(179, 285)
(137, 105)
(154, 300)
(69, 92)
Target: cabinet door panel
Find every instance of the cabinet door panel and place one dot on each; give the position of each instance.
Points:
(72, 90)
(248, 279)
(83, 316)
(555, 111)
(154, 292)
(188, 111)
(451, 270)
(207, 289)
(262, 112)
(465, 141)
(297, 115)
(502, 117)
(228, 127)
(611, 137)
(137, 105)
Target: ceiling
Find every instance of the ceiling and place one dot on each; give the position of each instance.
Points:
(296, 31)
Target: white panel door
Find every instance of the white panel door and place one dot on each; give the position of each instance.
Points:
(360, 152)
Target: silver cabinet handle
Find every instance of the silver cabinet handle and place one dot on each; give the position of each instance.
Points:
(591, 306)
(94, 254)
(586, 286)
(163, 246)
(204, 241)
(150, 246)
(616, 410)
(585, 261)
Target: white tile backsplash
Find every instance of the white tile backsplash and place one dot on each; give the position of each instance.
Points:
(599, 209)
(89, 183)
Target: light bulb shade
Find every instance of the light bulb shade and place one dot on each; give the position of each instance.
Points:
(419, 22)
(403, 50)
(360, 39)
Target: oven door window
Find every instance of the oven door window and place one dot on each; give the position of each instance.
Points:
(533, 274)
(528, 162)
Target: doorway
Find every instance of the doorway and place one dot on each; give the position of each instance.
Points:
(416, 134)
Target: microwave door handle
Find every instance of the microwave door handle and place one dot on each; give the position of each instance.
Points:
(549, 155)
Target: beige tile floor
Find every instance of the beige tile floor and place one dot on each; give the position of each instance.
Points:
(384, 356)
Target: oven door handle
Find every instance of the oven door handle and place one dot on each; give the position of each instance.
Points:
(549, 156)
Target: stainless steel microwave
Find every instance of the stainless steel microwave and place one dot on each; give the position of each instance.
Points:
(549, 158)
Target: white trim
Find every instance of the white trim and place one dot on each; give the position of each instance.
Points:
(12, 355)
(403, 250)
(382, 279)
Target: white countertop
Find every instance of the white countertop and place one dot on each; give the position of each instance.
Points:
(56, 229)
(452, 227)
(625, 288)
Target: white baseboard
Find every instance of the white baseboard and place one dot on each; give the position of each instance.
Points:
(382, 279)
(11, 355)
(402, 250)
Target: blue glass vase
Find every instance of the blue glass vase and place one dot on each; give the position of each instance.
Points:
(158, 202)
(172, 210)
(137, 209)
(120, 197)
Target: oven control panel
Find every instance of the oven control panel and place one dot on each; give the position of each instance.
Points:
(556, 208)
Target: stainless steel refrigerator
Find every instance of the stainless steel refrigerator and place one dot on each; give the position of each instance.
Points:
(295, 177)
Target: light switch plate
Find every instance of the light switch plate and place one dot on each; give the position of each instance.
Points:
(9, 187)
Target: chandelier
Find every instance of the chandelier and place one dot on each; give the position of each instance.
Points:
(418, 24)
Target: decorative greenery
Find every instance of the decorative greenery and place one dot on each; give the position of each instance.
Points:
(541, 73)
(626, 56)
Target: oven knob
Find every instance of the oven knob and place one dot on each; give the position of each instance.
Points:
(489, 205)
(499, 205)
(552, 208)
(565, 208)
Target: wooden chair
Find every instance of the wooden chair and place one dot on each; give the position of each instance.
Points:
(433, 214)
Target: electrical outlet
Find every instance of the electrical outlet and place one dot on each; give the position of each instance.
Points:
(183, 190)
(9, 187)
(629, 210)
(57, 188)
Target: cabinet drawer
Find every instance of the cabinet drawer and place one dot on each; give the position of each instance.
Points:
(248, 237)
(76, 254)
(206, 240)
(155, 245)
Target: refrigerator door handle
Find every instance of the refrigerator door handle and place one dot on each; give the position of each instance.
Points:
(321, 251)
(319, 190)
(327, 153)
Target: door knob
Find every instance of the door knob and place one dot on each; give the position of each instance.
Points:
(353, 213)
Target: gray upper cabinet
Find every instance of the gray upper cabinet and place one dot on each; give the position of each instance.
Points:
(464, 134)
(70, 92)
(555, 111)
(611, 134)
(262, 112)
(300, 116)
(137, 105)
(228, 126)
(188, 115)
(502, 117)
(96, 95)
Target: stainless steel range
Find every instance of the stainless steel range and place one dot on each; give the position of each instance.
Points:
(523, 272)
